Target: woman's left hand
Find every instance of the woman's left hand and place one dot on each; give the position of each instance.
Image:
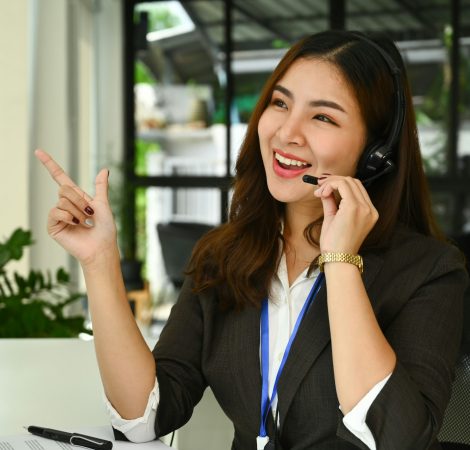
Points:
(349, 214)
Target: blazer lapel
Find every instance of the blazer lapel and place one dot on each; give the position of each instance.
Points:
(314, 335)
(246, 363)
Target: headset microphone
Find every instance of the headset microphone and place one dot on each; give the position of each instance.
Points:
(388, 166)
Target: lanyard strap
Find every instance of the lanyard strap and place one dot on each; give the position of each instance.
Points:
(266, 402)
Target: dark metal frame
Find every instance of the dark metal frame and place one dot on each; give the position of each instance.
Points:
(128, 107)
(452, 182)
(223, 183)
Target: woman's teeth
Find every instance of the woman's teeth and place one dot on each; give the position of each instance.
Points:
(290, 162)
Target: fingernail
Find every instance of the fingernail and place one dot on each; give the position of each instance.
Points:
(89, 211)
(75, 220)
(89, 222)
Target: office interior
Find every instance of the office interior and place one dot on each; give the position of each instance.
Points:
(160, 93)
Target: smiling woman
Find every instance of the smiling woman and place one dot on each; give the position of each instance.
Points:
(342, 295)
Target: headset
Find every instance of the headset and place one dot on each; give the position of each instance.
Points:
(377, 158)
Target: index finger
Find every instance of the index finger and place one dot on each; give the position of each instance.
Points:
(57, 173)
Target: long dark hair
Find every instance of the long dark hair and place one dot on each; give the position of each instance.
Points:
(239, 258)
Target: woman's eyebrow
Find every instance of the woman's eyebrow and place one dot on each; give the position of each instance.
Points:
(283, 90)
(327, 103)
(314, 103)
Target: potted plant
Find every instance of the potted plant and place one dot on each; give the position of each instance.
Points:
(35, 305)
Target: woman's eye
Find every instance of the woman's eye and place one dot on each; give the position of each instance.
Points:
(278, 102)
(324, 118)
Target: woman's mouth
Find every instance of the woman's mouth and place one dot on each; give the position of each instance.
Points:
(288, 163)
(287, 166)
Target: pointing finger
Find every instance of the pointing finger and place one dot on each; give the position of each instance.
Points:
(101, 185)
(58, 174)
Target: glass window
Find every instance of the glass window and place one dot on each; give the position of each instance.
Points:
(181, 93)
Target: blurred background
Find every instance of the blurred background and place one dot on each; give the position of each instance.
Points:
(160, 93)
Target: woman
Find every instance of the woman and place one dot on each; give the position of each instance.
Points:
(347, 360)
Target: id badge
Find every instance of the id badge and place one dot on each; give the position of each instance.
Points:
(262, 442)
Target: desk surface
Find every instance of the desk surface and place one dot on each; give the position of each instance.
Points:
(23, 441)
(53, 383)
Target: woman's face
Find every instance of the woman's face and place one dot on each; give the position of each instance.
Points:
(313, 126)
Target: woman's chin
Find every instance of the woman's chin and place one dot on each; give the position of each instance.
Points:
(285, 195)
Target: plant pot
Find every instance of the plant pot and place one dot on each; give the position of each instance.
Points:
(131, 273)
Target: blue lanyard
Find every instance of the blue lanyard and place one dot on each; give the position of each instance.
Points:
(265, 401)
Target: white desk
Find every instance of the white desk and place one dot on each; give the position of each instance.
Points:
(55, 383)
(49, 382)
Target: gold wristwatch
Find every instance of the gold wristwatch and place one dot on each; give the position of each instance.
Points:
(340, 257)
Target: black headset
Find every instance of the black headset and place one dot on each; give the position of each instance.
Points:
(378, 158)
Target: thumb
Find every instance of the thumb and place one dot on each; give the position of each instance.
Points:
(101, 185)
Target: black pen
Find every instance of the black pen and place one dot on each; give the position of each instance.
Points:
(76, 439)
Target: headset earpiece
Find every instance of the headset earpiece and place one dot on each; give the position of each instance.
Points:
(373, 161)
(377, 159)
(388, 166)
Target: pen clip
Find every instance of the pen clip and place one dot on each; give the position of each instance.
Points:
(94, 443)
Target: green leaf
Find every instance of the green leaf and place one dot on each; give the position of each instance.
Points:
(62, 276)
(21, 284)
(8, 284)
(21, 238)
(32, 280)
(4, 255)
(40, 280)
(71, 299)
(17, 241)
(48, 284)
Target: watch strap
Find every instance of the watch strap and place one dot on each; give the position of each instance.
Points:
(341, 257)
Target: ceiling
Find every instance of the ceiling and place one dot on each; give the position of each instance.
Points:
(260, 26)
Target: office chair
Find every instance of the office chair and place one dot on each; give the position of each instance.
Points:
(177, 240)
(455, 431)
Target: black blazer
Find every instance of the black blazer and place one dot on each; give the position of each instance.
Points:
(416, 288)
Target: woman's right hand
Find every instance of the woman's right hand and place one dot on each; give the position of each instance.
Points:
(82, 225)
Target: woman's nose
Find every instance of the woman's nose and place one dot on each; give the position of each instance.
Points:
(290, 132)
